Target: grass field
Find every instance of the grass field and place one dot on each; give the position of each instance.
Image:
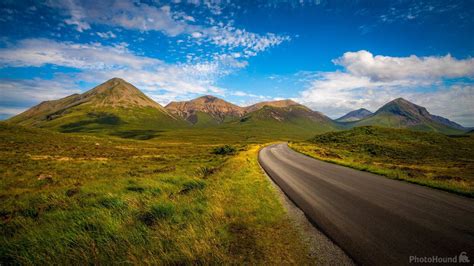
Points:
(187, 196)
(430, 159)
(72, 199)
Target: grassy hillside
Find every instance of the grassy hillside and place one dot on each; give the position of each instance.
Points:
(431, 159)
(391, 121)
(273, 123)
(72, 199)
(114, 107)
(90, 119)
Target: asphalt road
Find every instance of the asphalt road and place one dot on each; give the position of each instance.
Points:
(375, 220)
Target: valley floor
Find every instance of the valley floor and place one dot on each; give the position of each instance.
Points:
(72, 199)
(173, 198)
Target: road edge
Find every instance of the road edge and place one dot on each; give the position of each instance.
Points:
(322, 249)
(453, 192)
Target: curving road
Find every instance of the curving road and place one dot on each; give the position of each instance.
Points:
(376, 220)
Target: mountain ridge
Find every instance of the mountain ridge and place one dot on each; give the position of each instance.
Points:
(275, 103)
(216, 108)
(355, 115)
(117, 104)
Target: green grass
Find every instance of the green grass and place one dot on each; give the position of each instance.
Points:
(185, 196)
(164, 200)
(426, 158)
(89, 118)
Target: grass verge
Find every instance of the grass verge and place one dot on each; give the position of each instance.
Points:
(429, 159)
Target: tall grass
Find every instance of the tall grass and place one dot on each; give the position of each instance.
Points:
(111, 200)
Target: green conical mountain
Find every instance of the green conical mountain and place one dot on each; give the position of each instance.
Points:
(401, 113)
(114, 106)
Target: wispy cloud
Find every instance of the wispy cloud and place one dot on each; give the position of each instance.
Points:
(6, 112)
(40, 52)
(27, 92)
(403, 11)
(143, 17)
(96, 63)
(106, 35)
(126, 14)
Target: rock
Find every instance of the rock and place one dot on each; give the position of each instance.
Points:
(47, 177)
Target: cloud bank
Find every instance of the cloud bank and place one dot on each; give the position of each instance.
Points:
(387, 68)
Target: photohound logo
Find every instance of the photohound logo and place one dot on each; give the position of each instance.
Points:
(462, 258)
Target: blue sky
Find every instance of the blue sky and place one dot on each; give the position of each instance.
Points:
(333, 56)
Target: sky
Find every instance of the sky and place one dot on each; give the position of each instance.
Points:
(333, 56)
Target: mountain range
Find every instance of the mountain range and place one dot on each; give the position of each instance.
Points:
(118, 107)
(401, 113)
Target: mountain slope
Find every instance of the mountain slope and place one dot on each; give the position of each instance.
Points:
(278, 103)
(295, 120)
(401, 113)
(206, 110)
(354, 115)
(447, 122)
(114, 105)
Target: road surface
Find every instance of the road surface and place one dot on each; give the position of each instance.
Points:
(376, 220)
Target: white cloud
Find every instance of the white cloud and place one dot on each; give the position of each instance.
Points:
(455, 102)
(36, 90)
(40, 52)
(371, 81)
(126, 14)
(77, 14)
(10, 111)
(383, 68)
(196, 34)
(251, 43)
(240, 93)
(139, 16)
(106, 35)
(420, 11)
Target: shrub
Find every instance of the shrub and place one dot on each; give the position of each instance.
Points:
(224, 150)
(30, 212)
